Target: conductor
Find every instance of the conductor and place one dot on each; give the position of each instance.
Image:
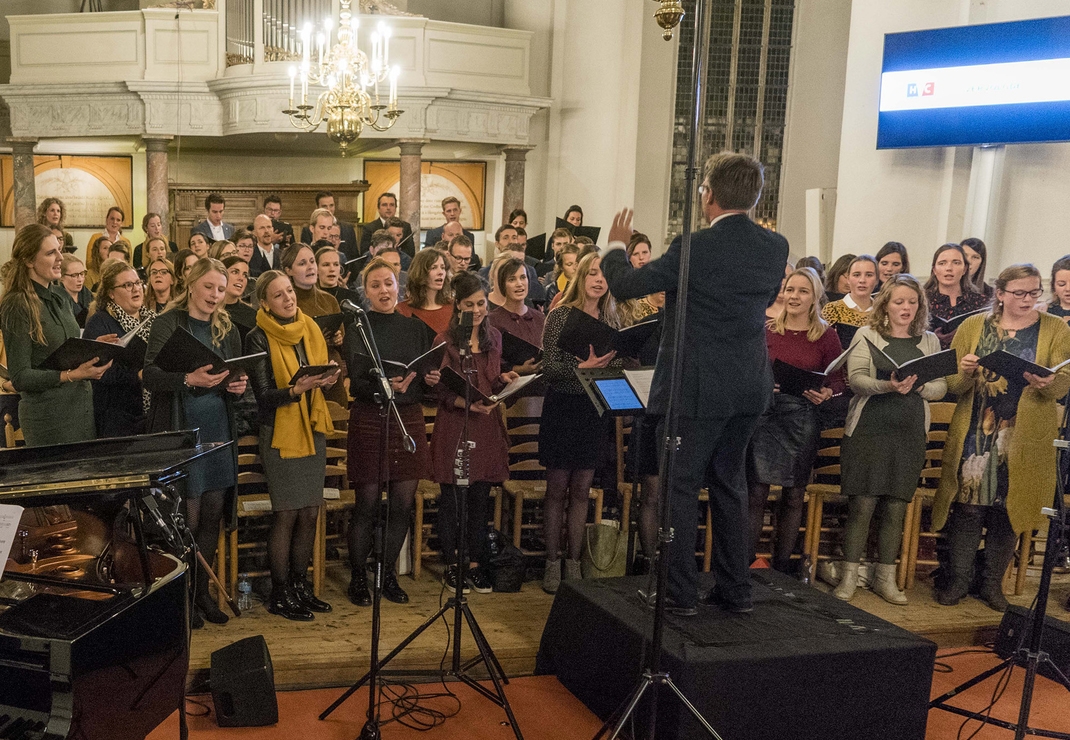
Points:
(735, 272)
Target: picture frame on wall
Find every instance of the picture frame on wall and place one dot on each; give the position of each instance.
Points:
(465, 180)
(87, 185)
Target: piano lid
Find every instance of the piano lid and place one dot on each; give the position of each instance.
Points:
(31, 475)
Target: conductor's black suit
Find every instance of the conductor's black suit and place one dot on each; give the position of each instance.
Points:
(735, 273)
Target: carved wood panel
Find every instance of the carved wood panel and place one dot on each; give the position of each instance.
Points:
(244, 203)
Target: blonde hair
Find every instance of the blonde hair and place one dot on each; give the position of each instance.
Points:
(816, 326)
(1020, 271)
(575, 293)
(70, 259)
(174, 281)
(146, 259)
(221, 324)
(19, 293)
(878, 319)
(216, 250)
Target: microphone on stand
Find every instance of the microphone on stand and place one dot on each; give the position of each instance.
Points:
(463, 332)
(350, 307)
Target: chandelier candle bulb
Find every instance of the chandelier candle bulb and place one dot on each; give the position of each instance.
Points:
(293, 75)
(394, 73)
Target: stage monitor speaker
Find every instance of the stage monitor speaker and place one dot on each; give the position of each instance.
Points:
(243, 684)
(1015, 629)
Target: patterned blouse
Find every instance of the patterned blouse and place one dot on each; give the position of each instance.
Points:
(845, 311)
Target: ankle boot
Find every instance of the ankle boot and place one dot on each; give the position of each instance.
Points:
(1000, 545)
(392, 591)
(848, 583)
(884, 585)
(358, 588)
(964, 535)
(285, 604)
(205, 604)
(306, 597)
(551, 577)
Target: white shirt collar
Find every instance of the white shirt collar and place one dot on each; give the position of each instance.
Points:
(850, 303)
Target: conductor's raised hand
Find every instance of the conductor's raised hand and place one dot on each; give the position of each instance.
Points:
(621, 230)
(203, 377)
(594, 360)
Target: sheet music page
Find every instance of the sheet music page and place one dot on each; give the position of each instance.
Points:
(515, 386)
(10, 515)
(640, 381)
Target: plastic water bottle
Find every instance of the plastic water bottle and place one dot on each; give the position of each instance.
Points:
(245, 592)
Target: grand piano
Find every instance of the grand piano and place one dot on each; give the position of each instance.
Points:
(93, 599)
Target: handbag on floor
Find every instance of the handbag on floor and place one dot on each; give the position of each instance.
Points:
(605, 551)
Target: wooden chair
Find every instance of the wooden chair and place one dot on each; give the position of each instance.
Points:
(825, 485)
(940, 418)
(426, 492)
(12, 437)
(623, 429)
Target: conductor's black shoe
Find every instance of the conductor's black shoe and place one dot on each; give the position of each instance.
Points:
(478, 580)
(392, 591)
(715, 598)
(306, 597)
(358, 590)
(285, 604)
(449, 578)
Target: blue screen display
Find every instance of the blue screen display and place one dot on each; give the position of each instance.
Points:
(997, 83)
(618, 394)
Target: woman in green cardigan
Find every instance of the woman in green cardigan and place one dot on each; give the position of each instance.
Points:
(999, 463)
(36, 318)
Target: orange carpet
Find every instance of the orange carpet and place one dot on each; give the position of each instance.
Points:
(1050, 709)
(545, 709)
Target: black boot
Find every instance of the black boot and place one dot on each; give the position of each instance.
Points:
(358, 588)
(302, 591)
(285, 604)
(205, 605)
(1000, 544)
(964, 535)
(391, 590)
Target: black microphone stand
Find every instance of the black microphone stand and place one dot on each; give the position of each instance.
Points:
(654, 675)
(385, 400)
(457, 603)
(1033, 657)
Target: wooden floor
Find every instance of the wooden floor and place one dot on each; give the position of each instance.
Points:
(334, 649)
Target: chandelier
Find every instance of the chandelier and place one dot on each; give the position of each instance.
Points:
(351, 99)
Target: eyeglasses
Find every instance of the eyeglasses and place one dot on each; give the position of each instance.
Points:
(131, 285)
(81, 274)
(1020, 294)
(157, 273)
(462, 259)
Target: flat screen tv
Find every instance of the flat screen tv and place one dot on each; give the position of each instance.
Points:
(997, 83)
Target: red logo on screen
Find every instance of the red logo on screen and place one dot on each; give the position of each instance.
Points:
(928, 89)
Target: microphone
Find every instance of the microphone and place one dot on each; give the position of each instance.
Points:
(350, 307)
(464, 329)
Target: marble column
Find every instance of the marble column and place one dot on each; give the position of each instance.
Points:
(24, 192)
(156, 181)
(411, 164)
(515, 159)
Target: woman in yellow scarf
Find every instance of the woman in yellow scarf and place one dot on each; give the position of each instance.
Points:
(293, 423)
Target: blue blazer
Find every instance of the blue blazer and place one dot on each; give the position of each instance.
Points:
(735, 273)
(205, 230)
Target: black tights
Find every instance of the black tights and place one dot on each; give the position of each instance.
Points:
(478, 500)
(573, 487)
(203, 515)
(290, 543)
(362, 525)
(789, 514)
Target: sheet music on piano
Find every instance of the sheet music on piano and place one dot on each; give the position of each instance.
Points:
(10, 516)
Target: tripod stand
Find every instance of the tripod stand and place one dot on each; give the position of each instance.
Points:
(1032, 657)
(457, 603)
(385, 399)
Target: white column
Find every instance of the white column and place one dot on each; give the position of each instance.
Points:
(982, 197)
(594, 128)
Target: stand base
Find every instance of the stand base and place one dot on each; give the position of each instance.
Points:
(1023, 658)
(486, 656)
(620, 717)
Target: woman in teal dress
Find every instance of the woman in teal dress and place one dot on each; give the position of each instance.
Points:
(199, 400)
(884, 440)
(36, 318)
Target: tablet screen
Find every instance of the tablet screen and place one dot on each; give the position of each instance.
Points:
(618, 394)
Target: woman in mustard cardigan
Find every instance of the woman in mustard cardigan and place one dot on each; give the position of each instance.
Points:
(999, 463)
